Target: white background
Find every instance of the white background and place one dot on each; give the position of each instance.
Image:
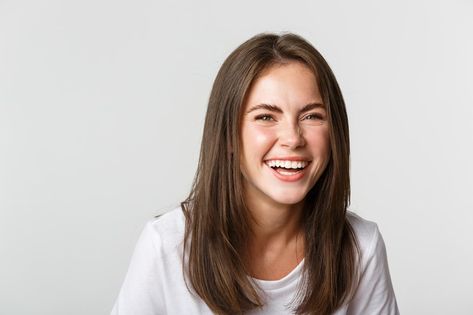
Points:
(101, 112)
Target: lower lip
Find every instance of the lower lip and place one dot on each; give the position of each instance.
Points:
(289, 178)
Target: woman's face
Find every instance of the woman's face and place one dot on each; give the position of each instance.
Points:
(284, 134)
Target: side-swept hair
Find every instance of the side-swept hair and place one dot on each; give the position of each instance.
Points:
(217, 219)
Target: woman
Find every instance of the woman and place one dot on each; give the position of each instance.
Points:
(265, 229)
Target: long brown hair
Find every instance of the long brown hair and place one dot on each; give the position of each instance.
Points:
(217, 218)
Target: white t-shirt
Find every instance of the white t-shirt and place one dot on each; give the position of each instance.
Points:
(155, 283)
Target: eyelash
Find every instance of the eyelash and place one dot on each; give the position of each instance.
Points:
(266, 117)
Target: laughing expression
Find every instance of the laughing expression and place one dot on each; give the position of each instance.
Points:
(284, 135)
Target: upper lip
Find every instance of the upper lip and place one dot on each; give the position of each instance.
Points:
(288, 158)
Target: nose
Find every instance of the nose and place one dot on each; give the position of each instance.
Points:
(291, 136)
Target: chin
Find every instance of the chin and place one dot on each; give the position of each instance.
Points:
(288, 199)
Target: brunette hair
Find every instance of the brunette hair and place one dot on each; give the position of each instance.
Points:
(217, 219)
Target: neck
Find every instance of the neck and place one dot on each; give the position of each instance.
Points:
(273, 224)
(276, 244)
(270, 222)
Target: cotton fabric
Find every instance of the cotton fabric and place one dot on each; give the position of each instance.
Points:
(155, 283)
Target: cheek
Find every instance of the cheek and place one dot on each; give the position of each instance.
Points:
(257, 139)
(263, 137)
(319, 142)
(256, 142)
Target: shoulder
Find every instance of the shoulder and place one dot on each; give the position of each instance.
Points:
(364, 229)
(374, 293)
(166, 230)
(367, 235)
(155, 283)
(172, 221)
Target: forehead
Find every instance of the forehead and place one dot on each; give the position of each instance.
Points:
(287, 84)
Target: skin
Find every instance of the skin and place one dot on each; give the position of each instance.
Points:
(282, 130)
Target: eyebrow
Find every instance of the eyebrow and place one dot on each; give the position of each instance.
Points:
(277, 109)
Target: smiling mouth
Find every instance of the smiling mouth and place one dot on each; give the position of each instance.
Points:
(287, 168)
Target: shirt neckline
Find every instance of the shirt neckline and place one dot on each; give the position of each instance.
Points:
(292, 276)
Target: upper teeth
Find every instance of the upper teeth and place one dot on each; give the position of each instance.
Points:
(287, 164)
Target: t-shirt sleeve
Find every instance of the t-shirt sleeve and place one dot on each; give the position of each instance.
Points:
(375, 294)
(141, 291)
